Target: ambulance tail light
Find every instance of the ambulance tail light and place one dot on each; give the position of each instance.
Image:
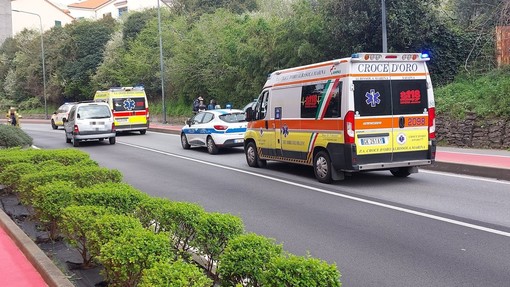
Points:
(147, 114)
(349, 127)
(220, 127)
(432, 123)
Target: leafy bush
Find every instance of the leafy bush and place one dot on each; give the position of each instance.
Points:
(120, 196)
(12, 173)
(181, 219)
(11, 136)
(246, 258)
(150, 211)
(50, 200)
(125, 257)
(38, 156)
(214, 231)
(106, 227)
(297, 271)
(175, 274)
(82, 176)
(75, 222)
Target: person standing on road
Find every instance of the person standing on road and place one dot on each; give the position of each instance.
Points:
(212, 105)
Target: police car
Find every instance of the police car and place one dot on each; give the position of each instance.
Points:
(58, 117)
(214, 129)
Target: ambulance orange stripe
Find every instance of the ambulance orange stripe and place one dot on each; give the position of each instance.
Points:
(311, 80)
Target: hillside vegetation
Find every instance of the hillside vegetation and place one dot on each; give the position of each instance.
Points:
(224, 49)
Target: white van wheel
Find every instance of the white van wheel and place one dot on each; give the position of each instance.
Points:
(112, 140)
(76, 143)
(322, 167)
(68, 140)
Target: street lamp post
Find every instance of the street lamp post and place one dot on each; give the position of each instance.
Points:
(162, 67)
(384, 34)
(42, 56)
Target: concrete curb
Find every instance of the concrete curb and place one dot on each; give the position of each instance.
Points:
(48, 270)
(474, 170)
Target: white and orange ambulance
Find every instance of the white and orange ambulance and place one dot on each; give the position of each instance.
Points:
(372, 111)
(129, 106)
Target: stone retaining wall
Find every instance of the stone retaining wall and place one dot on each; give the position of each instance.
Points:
(473, 132)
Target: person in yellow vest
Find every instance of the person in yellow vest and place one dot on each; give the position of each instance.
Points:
(13, 117)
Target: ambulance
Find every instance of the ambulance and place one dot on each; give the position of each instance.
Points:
(371, 111)
(129, 106)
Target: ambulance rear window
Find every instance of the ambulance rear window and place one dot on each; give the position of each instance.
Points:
(396, 97)
(128, 104)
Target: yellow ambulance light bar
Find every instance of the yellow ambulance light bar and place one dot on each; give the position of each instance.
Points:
(390, 57)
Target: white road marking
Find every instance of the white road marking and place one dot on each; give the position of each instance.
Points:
(396, 208)
(466, 176)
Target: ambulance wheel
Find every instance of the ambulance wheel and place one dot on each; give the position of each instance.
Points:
(322, 167)
(76, 143)
(212, 148)
(112, 140)
(184, 141)
(252, 157)
(400, 172)
(68, 140)
(142, 132)
(53, 125)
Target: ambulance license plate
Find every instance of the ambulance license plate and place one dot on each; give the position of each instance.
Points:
(373, 141)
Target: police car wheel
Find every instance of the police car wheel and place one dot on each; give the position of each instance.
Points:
(53, 125)
(400, 172)
(184, 142)
(212, 148)
(322, 167)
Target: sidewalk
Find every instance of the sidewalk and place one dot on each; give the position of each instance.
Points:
(22, 261)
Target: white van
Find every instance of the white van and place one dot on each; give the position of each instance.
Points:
(372, 111)
(89, 121)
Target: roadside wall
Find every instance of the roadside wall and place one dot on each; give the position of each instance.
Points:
(473, 132)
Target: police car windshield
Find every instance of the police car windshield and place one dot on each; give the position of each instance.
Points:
(233, 118)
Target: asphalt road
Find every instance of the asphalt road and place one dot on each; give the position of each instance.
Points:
(431, 229)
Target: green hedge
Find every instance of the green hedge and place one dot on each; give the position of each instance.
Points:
(125, 257)
(175, 274)
(11, 174)
(120, 196)
(245, 260)
(150, 211)
(50, 200)
(11, 136)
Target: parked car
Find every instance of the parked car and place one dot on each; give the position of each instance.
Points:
(214, 129)
(250, 105)
(89, 121)
(57, 118)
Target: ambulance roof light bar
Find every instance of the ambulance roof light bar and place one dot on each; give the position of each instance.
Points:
(390, 56)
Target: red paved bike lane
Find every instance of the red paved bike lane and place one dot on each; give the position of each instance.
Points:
(15, 269)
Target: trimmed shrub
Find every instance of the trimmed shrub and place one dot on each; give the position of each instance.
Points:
(125, 257)
(11, 136)
(181, 219)
(82, 176)
(11, 174)
(246, 258)
(120, 196)
(49, 201)
(64, 156)
(214, 231)
(150, 211)
(107, 227)
(74, 224)
(300, 271)
(176, 274)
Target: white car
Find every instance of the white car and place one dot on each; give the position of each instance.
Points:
(89, 121)
(58, 117)
(214, 129)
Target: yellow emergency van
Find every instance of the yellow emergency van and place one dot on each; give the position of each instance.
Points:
(129, 106)
(371, 111)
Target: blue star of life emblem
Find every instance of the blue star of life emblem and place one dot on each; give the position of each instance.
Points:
(129, 104)
(373, 98)
(285, 130)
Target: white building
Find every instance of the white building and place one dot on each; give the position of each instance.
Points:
(97, 9)
(30, 14)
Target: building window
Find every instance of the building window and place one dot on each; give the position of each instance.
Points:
(122, 10)
(58, 23)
